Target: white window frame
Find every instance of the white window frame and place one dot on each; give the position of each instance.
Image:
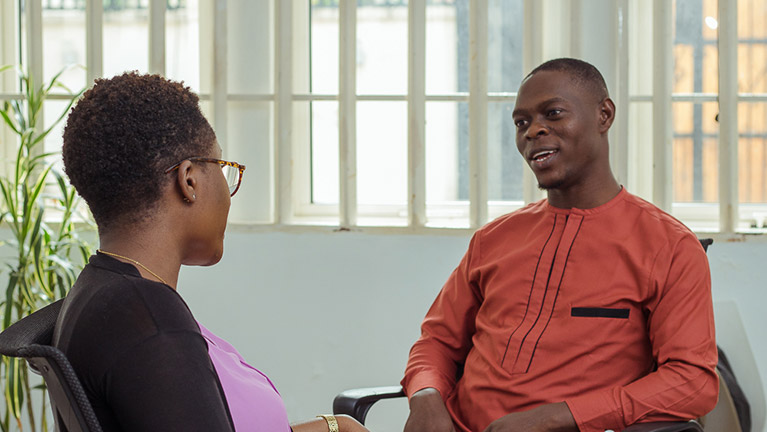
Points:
(290, 201)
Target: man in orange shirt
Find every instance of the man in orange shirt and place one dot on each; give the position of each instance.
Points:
(586, 311)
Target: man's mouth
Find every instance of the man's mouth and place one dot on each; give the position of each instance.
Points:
(543, 155)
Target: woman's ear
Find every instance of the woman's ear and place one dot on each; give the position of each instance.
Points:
(606, 115)
(186, 177)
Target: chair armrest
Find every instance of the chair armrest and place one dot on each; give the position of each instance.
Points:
(357, 402)
(691, 426)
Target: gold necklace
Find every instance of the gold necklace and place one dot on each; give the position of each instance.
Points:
(134, 262)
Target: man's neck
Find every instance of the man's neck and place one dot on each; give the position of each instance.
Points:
(584, 196)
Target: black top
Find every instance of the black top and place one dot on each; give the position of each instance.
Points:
(139, 353)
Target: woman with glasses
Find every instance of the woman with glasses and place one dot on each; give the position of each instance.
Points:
(139, 151)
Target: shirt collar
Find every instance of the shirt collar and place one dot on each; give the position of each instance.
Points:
(622, 195)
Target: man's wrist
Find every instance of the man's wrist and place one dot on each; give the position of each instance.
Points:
(560, 418)
(425, 395)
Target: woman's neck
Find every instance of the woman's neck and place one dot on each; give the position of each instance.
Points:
(149, 247)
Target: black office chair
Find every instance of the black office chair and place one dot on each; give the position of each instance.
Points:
(357, 402)
(30, 339)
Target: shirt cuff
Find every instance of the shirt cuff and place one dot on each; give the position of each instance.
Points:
(426, 379)
(596, 412)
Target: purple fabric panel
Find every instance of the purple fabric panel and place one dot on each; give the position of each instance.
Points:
(254, 402)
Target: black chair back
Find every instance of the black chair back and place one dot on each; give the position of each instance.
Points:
(30, 338)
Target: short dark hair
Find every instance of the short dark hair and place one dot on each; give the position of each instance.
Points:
(582, 72)
(122, 134)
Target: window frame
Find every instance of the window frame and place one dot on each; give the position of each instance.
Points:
(290, 201)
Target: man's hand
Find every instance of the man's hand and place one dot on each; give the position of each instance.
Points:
(428, 413)
(545, 418)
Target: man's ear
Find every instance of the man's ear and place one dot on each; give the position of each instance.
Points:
(606, 115)
(186, 178)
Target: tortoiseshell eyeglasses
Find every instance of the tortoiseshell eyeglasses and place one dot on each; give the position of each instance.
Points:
(232, 171)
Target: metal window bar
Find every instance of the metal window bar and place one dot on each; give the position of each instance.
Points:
(662, 86)
(283, 206)
(416, 113)
(347, 108)
(94, 43)
(219, 89)
(34, 14)
(478, 17)
(728, 116)
(533, 56)
(157, 10)
(619, 148)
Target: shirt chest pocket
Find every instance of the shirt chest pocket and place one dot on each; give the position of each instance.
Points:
(600, 312)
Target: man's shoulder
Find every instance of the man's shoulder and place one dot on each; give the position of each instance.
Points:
(532, 211)
(653, 219)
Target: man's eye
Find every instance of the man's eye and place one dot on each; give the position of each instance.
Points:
(554, 112)
(520, 123)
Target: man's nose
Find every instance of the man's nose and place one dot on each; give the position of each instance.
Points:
(537, 128)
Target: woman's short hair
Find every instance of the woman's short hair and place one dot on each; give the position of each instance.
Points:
(120, 137)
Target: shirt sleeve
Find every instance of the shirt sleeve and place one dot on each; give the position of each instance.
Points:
(681, 330)
(167, 382)
(446, 332)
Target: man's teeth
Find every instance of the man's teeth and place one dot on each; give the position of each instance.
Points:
(543, 154)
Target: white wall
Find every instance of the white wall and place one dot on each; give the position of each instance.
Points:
(323, 312)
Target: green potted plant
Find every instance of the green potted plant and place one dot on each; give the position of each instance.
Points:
(41, 246)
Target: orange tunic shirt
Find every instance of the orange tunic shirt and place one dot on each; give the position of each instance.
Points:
(608, 309)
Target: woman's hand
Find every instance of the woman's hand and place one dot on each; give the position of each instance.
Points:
(348, 424)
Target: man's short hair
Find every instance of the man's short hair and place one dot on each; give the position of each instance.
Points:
(583, 73)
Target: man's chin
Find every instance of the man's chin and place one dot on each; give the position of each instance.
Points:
(550, 185)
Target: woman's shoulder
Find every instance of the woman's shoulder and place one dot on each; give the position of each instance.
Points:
(109, 302)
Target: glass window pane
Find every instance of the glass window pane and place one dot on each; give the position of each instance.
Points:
(752, 46)
(324, 152)
(63, 50)
(640, 124)
(52, 110)
(447, 164)
(696, 135)
(695, 158)
(695, 47)
(250, 47)
(381, 153)
(126, 25)
(640, 49)
(250, 143)
(504, 164)
(447, 47)
(64, 44)
(382, 47)
(447, 155)
(504, 45)
(182, 43)
(752, 152)
(324, 47)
